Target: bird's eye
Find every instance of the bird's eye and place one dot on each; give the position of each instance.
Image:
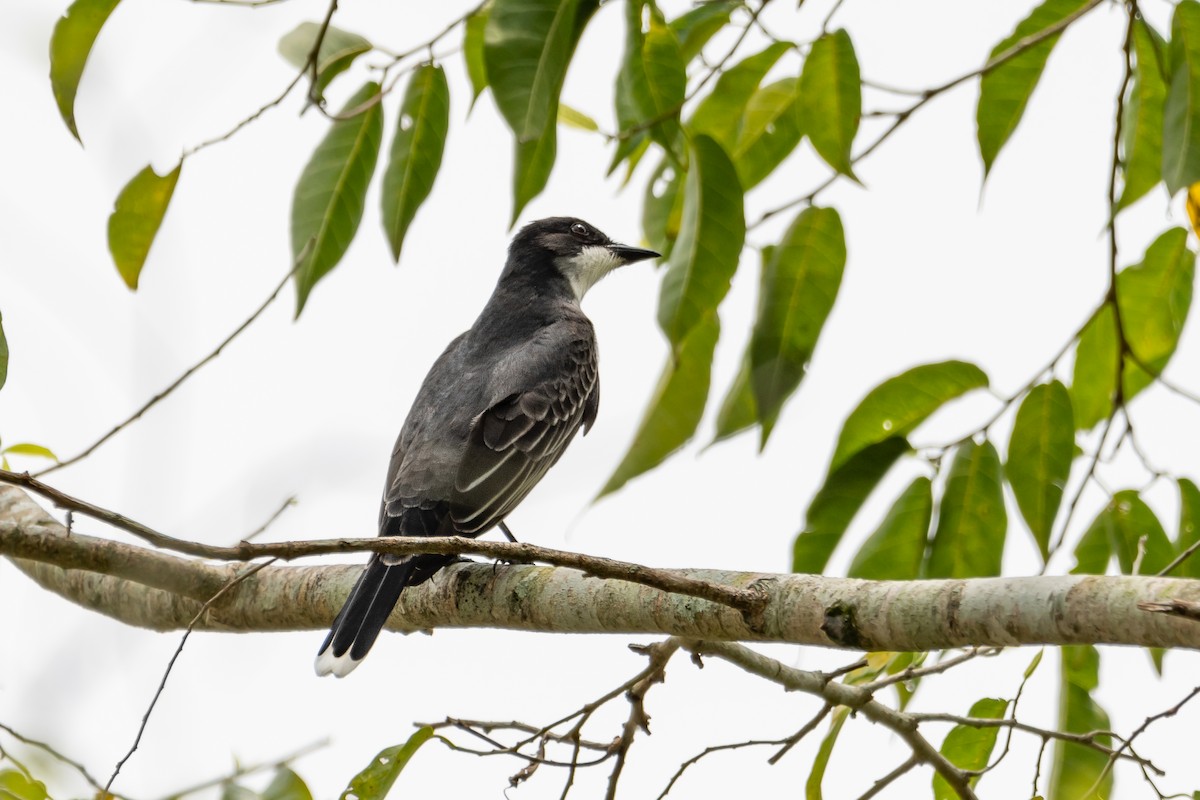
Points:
(580, 230)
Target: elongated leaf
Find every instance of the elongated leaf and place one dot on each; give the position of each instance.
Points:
(662, 208)
(836, 503)
(1181, 114)
(816, 776)
(1076, 768)
(473, 51)
(235, 791)
(694, 28)
(1192, 206)
(894, 551)
(136, 218)
(328, 202)
(799, 285)
(1135, 532)
(675, 408)
(970, 748)
(416, 151)
(1189, 529)
(710, 242)
(574, 118)
(70, 45)
(899, 404)
(831, 93)
(338, 50)
(1155, 296)
(738, 410)
(1095, 373)
(972, 522)
(527, 45)
(286, 785)
(719, 114)
(28, 449)
(376, 780)
(1005, 90)
(3, 354)
(771, 128)
(1094, 550)
(665, 84)
(1142, 131)
(631, 88)
(1039, 457)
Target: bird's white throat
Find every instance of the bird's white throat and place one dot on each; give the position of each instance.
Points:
(587, 267)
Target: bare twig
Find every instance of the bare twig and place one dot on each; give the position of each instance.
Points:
(890, 778)
(288, 503)
(1127, 744)
(249, 769)
(56, 755)
(659, 655)
(170, 664)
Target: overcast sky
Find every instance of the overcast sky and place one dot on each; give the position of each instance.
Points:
(938, 268)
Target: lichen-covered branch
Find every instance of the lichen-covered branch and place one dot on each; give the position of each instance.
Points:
(151, 589)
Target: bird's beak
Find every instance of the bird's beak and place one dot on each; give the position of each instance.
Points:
(629, 254)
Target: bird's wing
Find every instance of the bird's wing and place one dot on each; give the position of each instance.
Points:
(514, 442)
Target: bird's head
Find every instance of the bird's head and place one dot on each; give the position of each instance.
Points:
(579, 251)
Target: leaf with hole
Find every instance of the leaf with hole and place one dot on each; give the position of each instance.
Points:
(70, 45)
(1039, 457)
(416, 154)
(901, 403)
(327, 204)
(376, 779)
(137, 215)
(972, 522)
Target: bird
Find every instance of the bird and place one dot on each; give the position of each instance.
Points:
(496, 411)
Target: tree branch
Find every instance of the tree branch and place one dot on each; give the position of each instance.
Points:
(155, 590)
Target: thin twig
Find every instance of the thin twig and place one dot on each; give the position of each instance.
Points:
(890, 778)
(78, 767)
(170, 664)
(261, 529)
(638, 719)
(249, 769)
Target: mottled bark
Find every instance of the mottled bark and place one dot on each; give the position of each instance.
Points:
(156, 590)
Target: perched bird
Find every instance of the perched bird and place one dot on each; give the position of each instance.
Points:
(496, 410)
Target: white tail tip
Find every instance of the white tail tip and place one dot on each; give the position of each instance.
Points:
(338, 666)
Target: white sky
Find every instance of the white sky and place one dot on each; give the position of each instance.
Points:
(936, 270)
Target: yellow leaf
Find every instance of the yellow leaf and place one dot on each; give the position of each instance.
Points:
(1193, 206)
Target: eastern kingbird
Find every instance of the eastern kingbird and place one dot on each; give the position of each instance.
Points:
(496, 410)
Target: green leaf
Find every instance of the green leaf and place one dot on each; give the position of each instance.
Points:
(894, 551)
(899, 404)
(972, 522)
(1077, 768)
(1094, 550)
(338, 50)
(416, 152)
(15, 785)
(770, 131)
(675, 408)
(136, 218)
(473, 50)
(3, 354)
(70, 45)
(1005, 90)
(527, 45)
(1155, 297)
(328, 202)
(665, 84)
(1189, 528)
(662, 208)
(1181, 114)
(1126, 521)
(835, 504)
(719, 114)
(1039, 457)
(235, 791)
(710, 242)
(1142, 130)
(694, 28)
(574, 118)
(970, 748)
(831, 91)
(286, 785)
(812, 787)
(27, 449)
(1095, 373)
(799, 285)
(631, 86)
(376, 780)
(738, 410)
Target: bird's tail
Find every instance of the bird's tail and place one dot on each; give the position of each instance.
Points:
(363, 616)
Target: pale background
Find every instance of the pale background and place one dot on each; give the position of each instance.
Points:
(936, 269)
